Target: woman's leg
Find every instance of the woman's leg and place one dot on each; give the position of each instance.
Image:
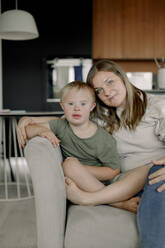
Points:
(151, 215)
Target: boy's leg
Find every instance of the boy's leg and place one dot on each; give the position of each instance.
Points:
(81, 176)
(129, 185)
(151, 215)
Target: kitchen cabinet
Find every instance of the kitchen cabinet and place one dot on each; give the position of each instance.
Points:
(128, 29)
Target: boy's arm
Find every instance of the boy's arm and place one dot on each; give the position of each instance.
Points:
(42, 130)
(25, 121)
(108, 156)
(33, 130)
(102, 173)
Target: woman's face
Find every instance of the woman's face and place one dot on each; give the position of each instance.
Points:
(110, 89)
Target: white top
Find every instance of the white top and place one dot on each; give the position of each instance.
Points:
(147, 142)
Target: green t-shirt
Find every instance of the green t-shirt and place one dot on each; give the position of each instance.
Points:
(97, 150)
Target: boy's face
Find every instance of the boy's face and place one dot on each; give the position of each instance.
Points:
(77, 105)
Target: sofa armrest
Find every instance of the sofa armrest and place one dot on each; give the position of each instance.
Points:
(44, 162)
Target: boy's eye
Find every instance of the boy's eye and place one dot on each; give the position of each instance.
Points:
(98, 91)
(83, 103)
(70, 103)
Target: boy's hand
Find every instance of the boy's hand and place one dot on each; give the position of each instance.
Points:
(50, 136)
(21, 133)
(113, 173)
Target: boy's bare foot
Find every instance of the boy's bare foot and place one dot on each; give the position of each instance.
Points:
(129, 205)
(74, 194)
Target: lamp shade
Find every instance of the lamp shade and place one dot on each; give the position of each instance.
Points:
(17, 25)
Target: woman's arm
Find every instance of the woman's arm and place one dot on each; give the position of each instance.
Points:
(159, 175)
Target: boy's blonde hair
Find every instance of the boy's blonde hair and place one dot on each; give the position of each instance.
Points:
(78, 85)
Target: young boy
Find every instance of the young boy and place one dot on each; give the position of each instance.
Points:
(89, 152)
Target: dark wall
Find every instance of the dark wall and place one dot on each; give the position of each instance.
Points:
(65, 31)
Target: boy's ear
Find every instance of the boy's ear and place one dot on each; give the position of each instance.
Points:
(93, 106)
(61, 104)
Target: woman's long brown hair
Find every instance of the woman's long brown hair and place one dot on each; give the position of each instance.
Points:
(136, 99)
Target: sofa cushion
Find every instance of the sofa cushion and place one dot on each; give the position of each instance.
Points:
(100, 226)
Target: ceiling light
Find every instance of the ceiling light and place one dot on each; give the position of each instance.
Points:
(17, 25)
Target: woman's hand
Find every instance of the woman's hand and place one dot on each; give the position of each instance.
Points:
(21, 133)
(159, 175)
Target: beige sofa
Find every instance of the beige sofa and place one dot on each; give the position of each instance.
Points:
(79, 226)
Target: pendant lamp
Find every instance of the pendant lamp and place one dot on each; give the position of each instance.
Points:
(17, 25)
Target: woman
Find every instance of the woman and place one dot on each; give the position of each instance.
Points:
(137, 121)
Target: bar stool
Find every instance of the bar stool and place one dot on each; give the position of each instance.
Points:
(15, 179)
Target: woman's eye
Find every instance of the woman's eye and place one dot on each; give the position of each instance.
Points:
(110, 82)
(98, 91)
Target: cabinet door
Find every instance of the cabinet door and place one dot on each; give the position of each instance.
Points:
(138, 29)
(159, 29)
(128, 29)
(107, 29)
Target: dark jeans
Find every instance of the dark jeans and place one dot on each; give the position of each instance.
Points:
(151, 214)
